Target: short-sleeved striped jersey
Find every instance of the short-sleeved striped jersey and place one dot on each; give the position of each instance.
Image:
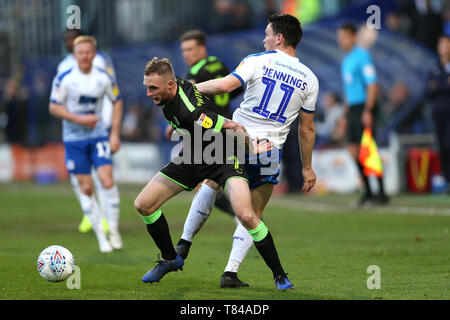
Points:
(83, 93)
(278, 86)
(101, 61)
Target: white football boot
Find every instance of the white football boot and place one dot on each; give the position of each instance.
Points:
(115, 240)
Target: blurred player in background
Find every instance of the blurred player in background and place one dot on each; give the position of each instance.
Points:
(278, 89)
(77, 98)
(203, 68)
(187, 110)
(360, 91)
(439, 99)
(103, 62)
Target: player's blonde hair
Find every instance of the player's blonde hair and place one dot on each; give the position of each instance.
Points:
(160, 67)
(81, 39)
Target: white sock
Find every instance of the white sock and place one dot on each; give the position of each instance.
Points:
(112, 207)
(100, 192)
(200, 210)
(98, 188)
(76, 189)
(92, 211)
(242, 242)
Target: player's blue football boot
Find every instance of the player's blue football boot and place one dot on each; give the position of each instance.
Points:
(282, 282)
(162, 268)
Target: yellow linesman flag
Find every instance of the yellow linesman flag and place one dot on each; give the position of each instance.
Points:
(369, 156)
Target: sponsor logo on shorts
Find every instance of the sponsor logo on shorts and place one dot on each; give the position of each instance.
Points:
(70, 164)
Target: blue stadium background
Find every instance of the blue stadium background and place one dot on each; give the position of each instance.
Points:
(397, 57)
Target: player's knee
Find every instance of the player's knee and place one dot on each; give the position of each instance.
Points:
(144, 208)
(138, 205)
(107, 183)
(87, 188)
(211, 184)
(245, 215)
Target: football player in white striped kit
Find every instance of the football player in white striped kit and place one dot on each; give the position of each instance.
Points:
(77, 98)
(104, 62)
(278, 89)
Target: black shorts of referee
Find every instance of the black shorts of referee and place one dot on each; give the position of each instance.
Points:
(355, 126)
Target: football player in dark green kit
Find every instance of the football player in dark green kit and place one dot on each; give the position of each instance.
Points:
(203, 68)
(187, 110)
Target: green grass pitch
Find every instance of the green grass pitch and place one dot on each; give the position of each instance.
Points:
(323, 244)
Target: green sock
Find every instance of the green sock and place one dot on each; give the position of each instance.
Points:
(264, 244)
(260, 232)
(158, 229)
(150, 219)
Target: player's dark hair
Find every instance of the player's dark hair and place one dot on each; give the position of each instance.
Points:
(445, 34)
(160, 67)
(288, 26)
(197, 35)
(76, 32)
(349, 26)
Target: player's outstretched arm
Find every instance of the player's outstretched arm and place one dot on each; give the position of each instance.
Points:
(219, 86)
(306, 139)
(59, 111)
(252, 147)
(114, 138)
(168, 132)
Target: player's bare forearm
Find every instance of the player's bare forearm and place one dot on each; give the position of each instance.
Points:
(168, 132)
(219, 86)
(236, 129)
(244, 140)
(306, 139)
(117, 117)
(114, 138)
(61, 112)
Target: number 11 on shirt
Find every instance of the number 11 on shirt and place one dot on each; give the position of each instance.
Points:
(262, 108)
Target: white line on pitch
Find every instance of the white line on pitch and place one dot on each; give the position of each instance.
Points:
(315, 206)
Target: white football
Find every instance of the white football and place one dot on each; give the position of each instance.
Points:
(55, 263)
